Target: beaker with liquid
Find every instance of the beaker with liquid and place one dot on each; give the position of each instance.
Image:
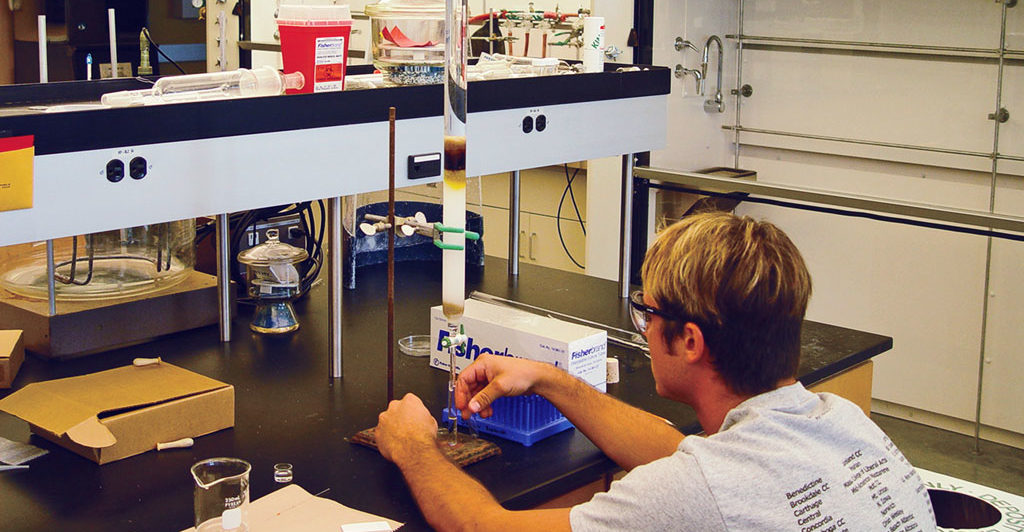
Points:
(221, 494)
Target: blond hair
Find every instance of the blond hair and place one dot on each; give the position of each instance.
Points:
(743, 283)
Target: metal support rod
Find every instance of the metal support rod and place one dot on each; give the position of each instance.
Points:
(871, 142)
(988, 248)
(223, 232)
(51, 287)
(626, 225)
(112, 29)
(44, 70)
(490, 35)
(513, 222)
(391, 257)
(956, 51)
(334, 286)
(739, 83)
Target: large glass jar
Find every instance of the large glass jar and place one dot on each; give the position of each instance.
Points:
(407, 40)
(104, 265)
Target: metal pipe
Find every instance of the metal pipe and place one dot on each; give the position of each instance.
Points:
(513, 222)
(112, 27)
(739, 84)
(626, 226)
(44, 69)
(866, 142)
(829, 43)
(223, 233)
(51, 286)
(391, 257)
(44, 77)
(988, 247)
(703, 182)
(334, 286)
(981, 346)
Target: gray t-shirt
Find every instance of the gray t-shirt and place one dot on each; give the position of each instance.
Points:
(787, 459)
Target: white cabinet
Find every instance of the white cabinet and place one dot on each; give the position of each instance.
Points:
(541, 191)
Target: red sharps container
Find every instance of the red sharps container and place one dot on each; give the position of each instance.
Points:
(314, 41)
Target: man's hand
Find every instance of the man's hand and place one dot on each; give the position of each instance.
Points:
(405, 427)
(491, 377)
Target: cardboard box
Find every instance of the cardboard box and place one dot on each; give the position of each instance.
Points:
(12, 354)
(506, 331)
(125, 411)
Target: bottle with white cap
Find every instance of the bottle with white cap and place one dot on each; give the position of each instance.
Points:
(593, 44)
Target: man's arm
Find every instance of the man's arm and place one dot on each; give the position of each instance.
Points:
(449, 498)
(628, 435)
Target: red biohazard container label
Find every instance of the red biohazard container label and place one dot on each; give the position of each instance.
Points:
(330, 64)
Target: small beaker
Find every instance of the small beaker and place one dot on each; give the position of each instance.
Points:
(222, 494)
(282, 473)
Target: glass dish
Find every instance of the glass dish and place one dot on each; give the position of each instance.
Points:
(407, 40)
(416, 345)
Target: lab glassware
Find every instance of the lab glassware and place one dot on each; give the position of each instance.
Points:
(221, 494)
(240, 83)
(453, 255)
(271, 269)
(283, 473)
(407, 40)
(104, 265)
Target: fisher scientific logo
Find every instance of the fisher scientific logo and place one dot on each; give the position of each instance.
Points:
(472, 349)
(582, 353)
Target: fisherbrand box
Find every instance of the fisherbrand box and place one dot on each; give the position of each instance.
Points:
(505, 331)
(125, 411)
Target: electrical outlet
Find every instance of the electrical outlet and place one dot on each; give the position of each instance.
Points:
(124, 70)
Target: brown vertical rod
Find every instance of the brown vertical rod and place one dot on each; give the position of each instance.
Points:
(391, 254)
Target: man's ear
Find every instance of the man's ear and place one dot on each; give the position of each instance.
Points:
(689, 344)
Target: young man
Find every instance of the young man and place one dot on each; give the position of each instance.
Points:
(723, 301)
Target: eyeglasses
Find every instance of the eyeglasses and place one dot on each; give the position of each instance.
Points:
(640, 312)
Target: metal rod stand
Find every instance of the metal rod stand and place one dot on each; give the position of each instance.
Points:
(51, 287)
(223, 232)
(626, 225)
(513, 223)
(391, 256)
(334, 286)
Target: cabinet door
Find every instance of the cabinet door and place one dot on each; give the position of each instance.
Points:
(544, 247)
(495, 231)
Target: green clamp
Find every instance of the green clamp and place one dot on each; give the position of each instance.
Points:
(441, 228)
(442, 245)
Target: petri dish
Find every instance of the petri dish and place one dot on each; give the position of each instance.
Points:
(416, 345)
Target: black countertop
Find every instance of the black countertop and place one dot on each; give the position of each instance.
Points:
(287, 410)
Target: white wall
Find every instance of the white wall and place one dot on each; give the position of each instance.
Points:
(923, 287)
(696, 139)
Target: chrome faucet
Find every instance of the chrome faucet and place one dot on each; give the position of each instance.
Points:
(681, 71)
(715, 104)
